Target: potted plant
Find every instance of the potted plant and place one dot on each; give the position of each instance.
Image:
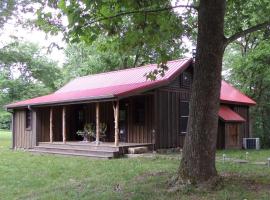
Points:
(102, 130)
(88, 131)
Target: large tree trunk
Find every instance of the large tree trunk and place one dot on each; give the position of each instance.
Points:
(198, 162)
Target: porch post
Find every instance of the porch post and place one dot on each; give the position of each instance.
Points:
(64, 124)
(116, 117)
(97, 123)
(51, 125)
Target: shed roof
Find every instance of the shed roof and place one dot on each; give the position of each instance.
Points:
(122, 83)
(230, 94)
(228, 115)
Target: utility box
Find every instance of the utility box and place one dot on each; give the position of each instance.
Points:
(251, 143)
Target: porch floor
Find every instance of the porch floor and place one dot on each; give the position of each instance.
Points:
(88, 149)
(110, 144)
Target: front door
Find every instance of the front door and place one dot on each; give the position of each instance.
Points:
(233, 134)
(123, 123)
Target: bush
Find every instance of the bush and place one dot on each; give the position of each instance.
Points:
(5, 120)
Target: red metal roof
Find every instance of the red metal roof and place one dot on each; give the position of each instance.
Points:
(118, 84)
(230, 94)
(228, 115)
(109, 85)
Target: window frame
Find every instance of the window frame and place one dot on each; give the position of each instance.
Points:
(183, 117)
(28, 120)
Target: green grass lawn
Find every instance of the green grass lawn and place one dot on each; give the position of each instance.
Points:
(27, 176)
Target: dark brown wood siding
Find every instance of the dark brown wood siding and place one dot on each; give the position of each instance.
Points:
(140, 132)
(243, 111)
(43, 127)
(23, 138)
(168, 113)
(233, 138)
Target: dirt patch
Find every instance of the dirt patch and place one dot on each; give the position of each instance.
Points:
(147, 175)
(245, 181)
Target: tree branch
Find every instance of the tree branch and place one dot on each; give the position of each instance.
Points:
(141, 11)
(247, 31)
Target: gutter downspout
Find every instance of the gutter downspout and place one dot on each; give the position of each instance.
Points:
(29, 108)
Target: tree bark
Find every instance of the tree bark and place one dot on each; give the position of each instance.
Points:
(198, 161)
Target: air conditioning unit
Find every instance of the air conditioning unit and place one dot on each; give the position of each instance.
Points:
(251, 143)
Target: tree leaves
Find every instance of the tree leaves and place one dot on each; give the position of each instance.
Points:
(251, 73)
(143, 31)
(25, 72)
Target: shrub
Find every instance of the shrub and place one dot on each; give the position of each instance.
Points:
(5, 120)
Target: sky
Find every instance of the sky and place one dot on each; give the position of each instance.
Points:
(12, 29)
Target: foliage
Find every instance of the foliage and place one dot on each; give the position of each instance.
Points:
(84, 59)
(5, 120)
(244, 14)
(90, 130)
(147, 37)
(27, 60)
(25, 72)
(14, 10)
(251, 73)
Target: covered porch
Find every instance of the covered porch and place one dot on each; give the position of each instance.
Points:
(129, 123)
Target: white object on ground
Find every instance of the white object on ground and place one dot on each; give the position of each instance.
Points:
(223, 157)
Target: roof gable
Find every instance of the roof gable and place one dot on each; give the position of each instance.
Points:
(124, 77)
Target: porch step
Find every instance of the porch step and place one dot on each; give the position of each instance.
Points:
(70, 154)
(84, 146)
(66, 150)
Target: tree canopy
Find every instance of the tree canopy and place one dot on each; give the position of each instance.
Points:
(250, 72)
(25, 73)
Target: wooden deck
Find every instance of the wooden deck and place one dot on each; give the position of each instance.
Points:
(105, 150)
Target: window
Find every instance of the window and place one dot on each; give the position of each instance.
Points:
(139, 111)
(184, 112)
(185, 80)
(122, 115)
(81, 115)
(28, 119)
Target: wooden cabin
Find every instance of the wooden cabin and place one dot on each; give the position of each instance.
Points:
(136, 112)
